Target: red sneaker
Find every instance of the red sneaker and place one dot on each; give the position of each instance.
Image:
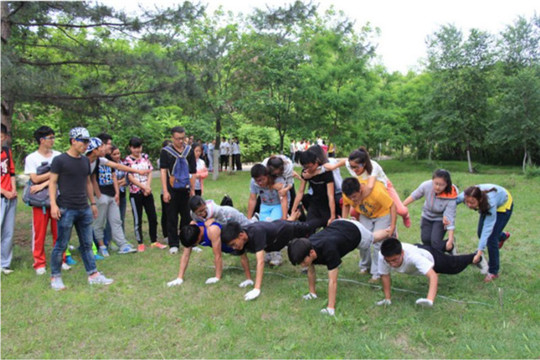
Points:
(158, 245)
(140, 248)
(490, 277)
(501, 243)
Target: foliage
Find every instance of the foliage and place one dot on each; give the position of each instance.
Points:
(257, 142)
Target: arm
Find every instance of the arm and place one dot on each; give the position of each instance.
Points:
(299, 195)
(95, 186)
(90, 193)
(408, 201)
(368, 188)
(53, 183)
(345, 210)
(260, 269)
(251, 205)
(433, 282)
(149, 185)
(184, 261)
(214, 233)
(245, 265)
(393, 217)
(332, 167)
(38, 179)
(332, 287)
(331, 202)
(312, 278)
(284, 206)
(116, 188)
(192, 186)
(128, 169)
(166, 195)
(137, 183)
(386, 284)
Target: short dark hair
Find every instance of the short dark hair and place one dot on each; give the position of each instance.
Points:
(230, 231)
(4, 129)
(195, 202)
(135, 142)
(189, 235)
(104, 137)
(319, 152)
(298, 249)
(259, 170)
(308, 157)
(178, 129)
(445, 175)
(350, 186)
(390, 247)
(42, 132)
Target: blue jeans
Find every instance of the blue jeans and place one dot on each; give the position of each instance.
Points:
(7, 221)
(82, 220)
(496, 236)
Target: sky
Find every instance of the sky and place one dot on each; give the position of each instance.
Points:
(404, 24)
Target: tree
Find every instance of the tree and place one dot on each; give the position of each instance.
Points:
(460, 69)
(65, 54)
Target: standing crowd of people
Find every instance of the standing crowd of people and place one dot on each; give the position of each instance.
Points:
(315, 214)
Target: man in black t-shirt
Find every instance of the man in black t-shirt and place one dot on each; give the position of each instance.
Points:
(328, 247)
(261, 237)
(322, 206)
(177, 199)
(70, 174)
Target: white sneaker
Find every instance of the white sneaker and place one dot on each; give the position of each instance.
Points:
(483, 266)
(41, 271)
(57, 283)
(196, 249)
(7, 270)
(99, 279)
(173, 250)
(66, 266)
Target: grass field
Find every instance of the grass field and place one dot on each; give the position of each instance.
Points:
(139, 317)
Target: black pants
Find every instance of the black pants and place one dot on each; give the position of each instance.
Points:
(223, 160)
(164, 207)
(237, 162)
(318, 214)
(448, 264)
(138, 202)
(179, 204)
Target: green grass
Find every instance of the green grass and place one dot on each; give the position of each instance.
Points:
(139, 317)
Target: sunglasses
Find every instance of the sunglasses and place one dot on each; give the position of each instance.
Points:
(52, 137)
(85, 141)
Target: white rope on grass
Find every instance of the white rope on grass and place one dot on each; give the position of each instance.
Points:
(365, 284)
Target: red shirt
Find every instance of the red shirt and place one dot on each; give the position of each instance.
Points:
(7, 170)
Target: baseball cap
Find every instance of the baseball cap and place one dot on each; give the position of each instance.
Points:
(94, 144)
(79, 133)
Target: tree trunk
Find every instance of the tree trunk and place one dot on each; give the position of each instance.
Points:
(469, 157)
(525, 156)
(215, 173)
(7, 113)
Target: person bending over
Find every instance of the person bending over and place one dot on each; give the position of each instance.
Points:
(197, 233)
(328, 247)
(261, 237)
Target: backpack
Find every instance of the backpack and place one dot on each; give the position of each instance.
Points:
(40, 198)
(179, 178)
(226, 201)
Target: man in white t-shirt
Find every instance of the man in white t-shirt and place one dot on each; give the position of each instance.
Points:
(41, 217)
(224, 151)
(419, 260)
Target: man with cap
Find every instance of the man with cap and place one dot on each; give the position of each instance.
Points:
(70, 174)
(106, 189)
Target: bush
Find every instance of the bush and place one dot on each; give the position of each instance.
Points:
(257, 142)
(532, 171)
